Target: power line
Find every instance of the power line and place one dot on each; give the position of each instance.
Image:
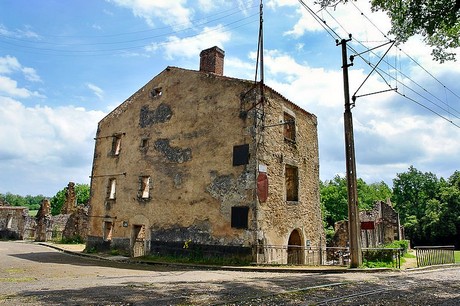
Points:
(400, 49)
(397, 70)
(125, 41)
(91, 52)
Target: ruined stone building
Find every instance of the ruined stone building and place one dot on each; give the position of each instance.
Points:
(195, 159)
(70, 224)
(12, 221)
(379, 225)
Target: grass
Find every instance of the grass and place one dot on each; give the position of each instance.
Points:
(16, 279)
(218, 261)
(33, 213)
(457, 256)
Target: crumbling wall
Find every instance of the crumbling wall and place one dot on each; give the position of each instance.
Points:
(70, 199)
(12, 222)
(384, 227)
(43, 221)
(76, 227)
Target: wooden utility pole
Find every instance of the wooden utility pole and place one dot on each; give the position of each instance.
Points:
(354, 228)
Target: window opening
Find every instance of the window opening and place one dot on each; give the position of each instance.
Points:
(116, 145)
(108, 226)
(144, 143)
(112, 189)
(9, 223)
(144, 191)
(291, 174)
(289, 127)
(241, 155)
(156, 92)
(240, 216)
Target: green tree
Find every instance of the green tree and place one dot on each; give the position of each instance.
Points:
(58, 200)
(438, 22)
(429, 208)
(334, 197)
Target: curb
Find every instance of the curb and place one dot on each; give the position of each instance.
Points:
(226, 268)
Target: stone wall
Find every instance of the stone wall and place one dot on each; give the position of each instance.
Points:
(383, 222)
(176, 176)
(12, 222)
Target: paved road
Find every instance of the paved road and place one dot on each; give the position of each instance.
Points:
(32, 274)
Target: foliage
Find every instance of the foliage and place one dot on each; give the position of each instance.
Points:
(72, 240)
(429, 207)
(334, 200)
(31, 202)
(438, 22)
(57, 201)
(399, 244)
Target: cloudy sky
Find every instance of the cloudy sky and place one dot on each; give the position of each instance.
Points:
(65, 64)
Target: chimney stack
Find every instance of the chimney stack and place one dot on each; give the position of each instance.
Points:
(212, 60)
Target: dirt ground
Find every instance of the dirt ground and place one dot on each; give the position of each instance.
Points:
(32, 274)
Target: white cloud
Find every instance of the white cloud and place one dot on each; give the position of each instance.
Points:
(10, 87)
(345, 19)
(44, 146)
(26, 33)
(96, 90)
(10, 64)
(389, 137)
(173, 13)
(191, 46)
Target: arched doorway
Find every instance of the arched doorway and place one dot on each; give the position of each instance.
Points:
(295, 249)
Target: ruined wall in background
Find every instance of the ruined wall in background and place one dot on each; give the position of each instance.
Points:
(12, 222)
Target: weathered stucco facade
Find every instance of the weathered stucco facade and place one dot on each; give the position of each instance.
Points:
(193, 159)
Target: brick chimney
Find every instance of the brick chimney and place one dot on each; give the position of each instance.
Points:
(212, 60)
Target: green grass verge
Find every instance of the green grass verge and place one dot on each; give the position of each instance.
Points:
(217, 261)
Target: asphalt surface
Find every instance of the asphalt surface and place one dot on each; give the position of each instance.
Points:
(32, 274)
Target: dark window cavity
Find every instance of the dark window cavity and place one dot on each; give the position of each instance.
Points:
(156, 92)
(144, 143)
(240, 216)
(289, 127)
(291, 174)
(116, 145)
(241, 155)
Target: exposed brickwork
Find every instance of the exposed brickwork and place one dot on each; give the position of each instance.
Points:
(212, 60)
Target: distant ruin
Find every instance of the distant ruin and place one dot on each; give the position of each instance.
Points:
(70, 225)
(379, 225)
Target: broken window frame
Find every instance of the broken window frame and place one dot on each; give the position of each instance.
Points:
(156, 92)
(145, 188)
(240, 217)
(107, 230)
(9, 221)
(144, 143)
(112, 189)
(291, 181)
(289, 127)
(116, 145)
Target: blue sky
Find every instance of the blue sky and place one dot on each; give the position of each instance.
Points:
(65, 64)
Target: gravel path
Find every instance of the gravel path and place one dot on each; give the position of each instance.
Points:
(32, 274)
